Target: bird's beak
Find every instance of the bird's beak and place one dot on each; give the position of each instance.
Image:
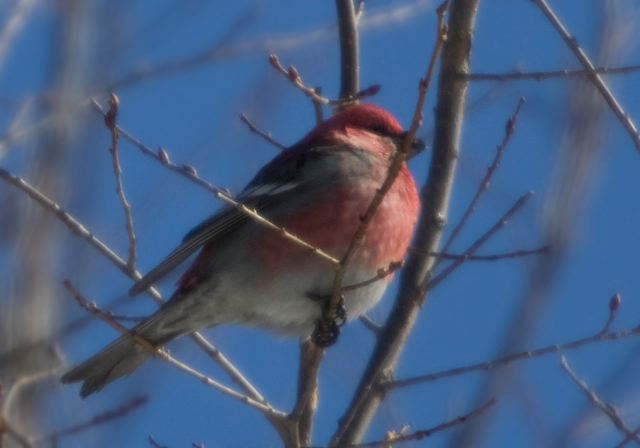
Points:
(416, 147)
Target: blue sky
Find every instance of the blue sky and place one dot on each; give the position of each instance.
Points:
(194, 114)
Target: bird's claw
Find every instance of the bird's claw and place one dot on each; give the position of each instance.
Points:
(328, 325)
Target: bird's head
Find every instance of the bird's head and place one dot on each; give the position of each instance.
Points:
(361, 122)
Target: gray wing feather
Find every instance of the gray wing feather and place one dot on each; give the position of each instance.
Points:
(209, 230)
(278, 183)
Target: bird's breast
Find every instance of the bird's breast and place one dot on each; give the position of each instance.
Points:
(330, 221)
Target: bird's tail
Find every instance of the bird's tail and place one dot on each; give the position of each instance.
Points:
(122, 356)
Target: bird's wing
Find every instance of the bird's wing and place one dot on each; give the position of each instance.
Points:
(294, 173)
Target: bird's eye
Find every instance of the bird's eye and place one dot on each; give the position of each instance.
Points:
(379, 129)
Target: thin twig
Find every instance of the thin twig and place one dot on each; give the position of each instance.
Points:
(494, 257)
(310, 353)
(317, 107)
(394, 168)
(576, 163)
(110, 121)
(78, 229)
(123, 318)
(503, 361)
(160, 353)
(550, 74)
(191, 174)
(154, 443)
(370, 324)
(265, 135)
(595, 78)
(307, 399)
(349, 58)
(7, 428)
(104, 417)
(217, 51)
(614, 305)
(359, 10)
(436, 194)
(424, 433)
(605, 407)
(628, 438)
(226, 48)
(293, 75)
(17, 129)
(14, 23)
(486, 180)
(504, 219)
(75, 226)
(381, 274)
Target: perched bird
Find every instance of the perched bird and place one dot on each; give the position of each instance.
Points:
(247, 274)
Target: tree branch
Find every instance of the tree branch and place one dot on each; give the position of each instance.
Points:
(551, 74)
(424, 433)
(161, 353)
(121, 411)
(606, 408)
(452, 93)
(190, 173)
(603, 335)
(504, 219)
(595, 78)
(265, 135)
(78, 229)
(349, 58)
(110, 120)
(486, 180)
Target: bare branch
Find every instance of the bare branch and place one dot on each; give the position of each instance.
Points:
(349, 58)
(7, 428)
(606, 408)
(16, 20)
(265, 135)
(160, 353)
(190, 173)
(225, 49)
(75, 226)
(307, 399)
(614, 305)
(424, 433)
(78, 229)
(311, 354)
(485, 182)
(293, 75)
(494, 257)
(317, 107)
(574, 169)
(381, 274)
(212, 54)
(601, 336)
(452, 94)
(628, 438)
(595, 78)
(551, 74)
(371, 325)
(504, 219)
(394, 169)
(105, 417)
(110, 121)
(155, 443)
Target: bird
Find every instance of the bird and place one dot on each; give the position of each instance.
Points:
(244, 273)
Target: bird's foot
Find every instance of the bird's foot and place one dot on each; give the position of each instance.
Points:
(332, 319)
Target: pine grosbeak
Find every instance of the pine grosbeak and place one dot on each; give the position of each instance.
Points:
(318, 189)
